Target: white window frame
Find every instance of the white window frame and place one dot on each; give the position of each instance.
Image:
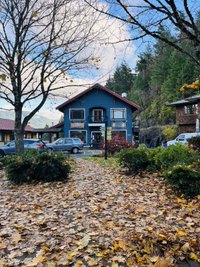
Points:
(111, 113)
(70, 109)
(79, 131)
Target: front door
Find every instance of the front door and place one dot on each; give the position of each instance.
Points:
(96, 139)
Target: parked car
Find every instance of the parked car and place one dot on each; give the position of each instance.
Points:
(72, 145)
(10, 147)
(182, 139)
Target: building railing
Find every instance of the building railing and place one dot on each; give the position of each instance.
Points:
(97, 119)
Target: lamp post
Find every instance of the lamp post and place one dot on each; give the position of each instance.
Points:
(106, 141)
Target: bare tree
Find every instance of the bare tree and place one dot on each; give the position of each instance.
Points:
(41, 41)
(147, 17)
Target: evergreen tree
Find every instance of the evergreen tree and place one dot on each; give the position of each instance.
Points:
(122, 79)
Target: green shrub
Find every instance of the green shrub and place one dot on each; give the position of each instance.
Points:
(18, 169)
(32, 166)
(185, 179)
(51, 167)
(164, 158)
(153, 156)
(194, 143)
(135, 160)
(170, 133)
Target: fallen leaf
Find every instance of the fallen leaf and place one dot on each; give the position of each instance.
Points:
(36, 261)
(193, 256)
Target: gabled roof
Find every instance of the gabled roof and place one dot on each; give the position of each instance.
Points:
(103, 88)
(9, 125)
(188, 100)
(58, 125)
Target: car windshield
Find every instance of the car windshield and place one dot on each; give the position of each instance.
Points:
(59, 141)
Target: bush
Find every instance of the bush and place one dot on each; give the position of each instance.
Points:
(18, 169)
(170, 133)
(32, 166)
(164, 158)
(153, 156)
(117, 144)
(51, 167)
(185, 179)
(194, 143)
(135, 160)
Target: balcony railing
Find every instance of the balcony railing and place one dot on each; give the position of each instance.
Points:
(97, 119)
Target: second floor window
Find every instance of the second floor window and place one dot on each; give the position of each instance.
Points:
(191, 109)
(76, 114)
(118, 114)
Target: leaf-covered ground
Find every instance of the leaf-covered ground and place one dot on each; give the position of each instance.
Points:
(98, 218)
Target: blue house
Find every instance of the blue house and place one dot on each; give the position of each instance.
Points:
(87, 113)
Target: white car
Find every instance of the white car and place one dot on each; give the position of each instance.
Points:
(182, 139)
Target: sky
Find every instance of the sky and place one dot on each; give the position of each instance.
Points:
(111, 53)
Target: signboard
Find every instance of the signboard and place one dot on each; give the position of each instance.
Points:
(77, 125)
(109, 133)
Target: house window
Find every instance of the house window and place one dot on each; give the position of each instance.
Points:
(77, 114)
(79, 134)
(119, 135)
(97, 115)
(118, 113)
(191, 109)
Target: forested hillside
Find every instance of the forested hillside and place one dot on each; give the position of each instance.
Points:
(160, 72)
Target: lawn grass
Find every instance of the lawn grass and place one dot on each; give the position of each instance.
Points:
(111, 162)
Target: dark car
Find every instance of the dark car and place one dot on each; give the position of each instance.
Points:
(10, 147)
(72, 145)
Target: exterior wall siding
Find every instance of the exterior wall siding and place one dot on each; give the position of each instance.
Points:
(186, 122)
(100, 100)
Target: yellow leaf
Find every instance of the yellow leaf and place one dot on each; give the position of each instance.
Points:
(100, 254)
(70, 256)
(181, 233)
(193, 256)
(115, 265)
(79, 263)
(122, 244)
(181, 201)
(76, 195)
(45, 249)
(154, 259)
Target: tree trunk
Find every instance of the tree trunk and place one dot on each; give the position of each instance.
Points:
(19, 131)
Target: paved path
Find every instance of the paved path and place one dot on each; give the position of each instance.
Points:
(99, 217)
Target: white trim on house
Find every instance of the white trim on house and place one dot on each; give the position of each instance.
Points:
(96, 124)
(76, 109)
